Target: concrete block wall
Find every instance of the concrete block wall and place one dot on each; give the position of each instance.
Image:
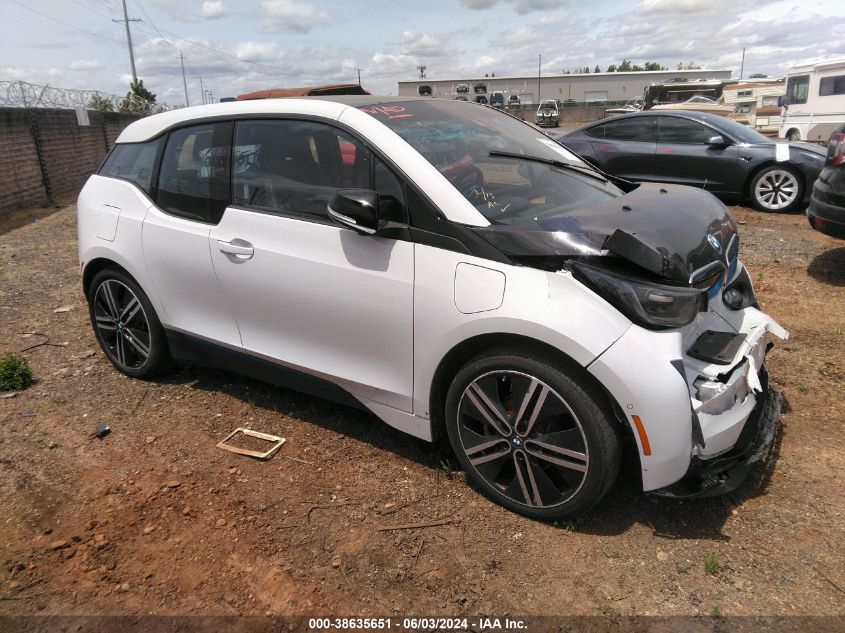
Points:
(69, 153)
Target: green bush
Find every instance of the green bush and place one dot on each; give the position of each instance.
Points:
(15, 373)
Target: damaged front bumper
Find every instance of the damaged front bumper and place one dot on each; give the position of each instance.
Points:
(725, 473)
(701, 415)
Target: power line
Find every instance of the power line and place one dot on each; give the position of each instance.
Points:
(72, 26)
(205, 48)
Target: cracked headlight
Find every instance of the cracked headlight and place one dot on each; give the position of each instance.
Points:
(648, 304)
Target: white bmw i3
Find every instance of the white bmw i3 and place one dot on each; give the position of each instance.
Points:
(449, 268)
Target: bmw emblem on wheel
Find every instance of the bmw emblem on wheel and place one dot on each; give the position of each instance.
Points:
(517, 442)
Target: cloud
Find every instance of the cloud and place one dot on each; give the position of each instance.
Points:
(213, 9)
(289, 16)
(421, 44)
(522, 7)
(478, 5)
(86, 64)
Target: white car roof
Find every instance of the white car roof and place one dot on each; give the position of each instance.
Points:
(329, 107)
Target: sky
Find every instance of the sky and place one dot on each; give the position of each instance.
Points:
(240, 46)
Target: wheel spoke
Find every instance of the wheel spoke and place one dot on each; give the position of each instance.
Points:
(489, 411)
(119, 348)
(530, 407)
(105, 322)
(111, 302)
(527, 484)
(558, 456)
(136, 343)
(130, 310)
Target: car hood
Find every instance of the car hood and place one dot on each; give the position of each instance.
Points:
(670, 231)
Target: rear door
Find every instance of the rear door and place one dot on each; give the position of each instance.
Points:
(317, 297)
(684, 157)
(192, 193)
(625, 146)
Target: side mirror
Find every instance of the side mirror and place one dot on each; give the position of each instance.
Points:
(717, 141)
(356, 209)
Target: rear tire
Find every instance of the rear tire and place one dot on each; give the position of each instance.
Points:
(793, 135)
(126, 325)
(532, 436)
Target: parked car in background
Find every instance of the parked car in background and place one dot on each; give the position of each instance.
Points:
(479, 89)
(461, 98)
(424, 90)
(481, 99)
(513, 100)
(497, 99)
(826, 212)
(462, 88)
(704, 150)
(547, 114)
(449, 269)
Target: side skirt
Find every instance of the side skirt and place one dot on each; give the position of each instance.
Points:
(189, 350)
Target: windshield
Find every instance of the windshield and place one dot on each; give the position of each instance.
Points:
(548, 105)
(491, 158)
(742, 133)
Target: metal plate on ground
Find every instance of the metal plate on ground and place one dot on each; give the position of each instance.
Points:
(277, 443)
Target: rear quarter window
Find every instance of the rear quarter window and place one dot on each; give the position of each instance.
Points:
(133, 162)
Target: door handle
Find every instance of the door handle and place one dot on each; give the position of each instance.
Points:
(235, 249)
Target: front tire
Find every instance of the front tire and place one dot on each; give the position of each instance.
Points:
(531, 436)
(776, 189)
(793, 135)
(126, 325)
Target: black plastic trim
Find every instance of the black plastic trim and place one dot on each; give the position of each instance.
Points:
(193, 351)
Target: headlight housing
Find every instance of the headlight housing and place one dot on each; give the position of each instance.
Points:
(652, 305)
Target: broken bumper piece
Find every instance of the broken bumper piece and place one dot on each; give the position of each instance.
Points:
(725, 473)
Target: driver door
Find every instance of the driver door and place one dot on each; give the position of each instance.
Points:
(306, 292)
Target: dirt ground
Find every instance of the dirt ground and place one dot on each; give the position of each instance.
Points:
(154, 518)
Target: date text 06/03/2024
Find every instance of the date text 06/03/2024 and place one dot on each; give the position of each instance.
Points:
(423, 623)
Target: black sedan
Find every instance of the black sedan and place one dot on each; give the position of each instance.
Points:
(704, 150)
(827, 204)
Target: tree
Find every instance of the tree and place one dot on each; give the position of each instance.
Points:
(654, 66)
(586, 69)
(138, 99)
(625, 66)
(597, 70)
(611, 68)
(100, 104)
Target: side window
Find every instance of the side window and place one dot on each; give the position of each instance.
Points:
(797, 88)
(390, 190)
(677, 130)
(193, 182)
(295, 167)
(625, 129)
(832, 86)
(133, 162)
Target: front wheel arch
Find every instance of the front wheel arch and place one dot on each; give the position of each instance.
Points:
(799, 175)
(466, 350)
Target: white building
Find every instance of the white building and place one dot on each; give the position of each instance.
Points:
(582, 88)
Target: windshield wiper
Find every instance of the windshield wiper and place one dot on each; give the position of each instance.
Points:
(551, 161)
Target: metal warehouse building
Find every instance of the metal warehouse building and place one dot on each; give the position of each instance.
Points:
(583, 88)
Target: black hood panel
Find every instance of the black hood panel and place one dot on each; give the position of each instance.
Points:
(669, 230)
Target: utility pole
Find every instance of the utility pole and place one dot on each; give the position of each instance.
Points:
(539, 64)
(359, 76)
(202, 91)
(184, 81)
(126, 20)
(742, 66)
